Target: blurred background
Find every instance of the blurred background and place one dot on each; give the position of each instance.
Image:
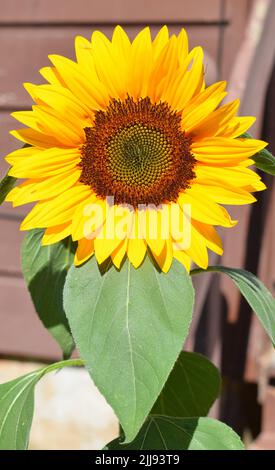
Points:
(238, 38)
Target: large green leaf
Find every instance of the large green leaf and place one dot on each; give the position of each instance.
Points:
(256, 294)
(191, 388)
(45, 269)
(170, 433)
(264, 160)
(129, 327)
(17, 404)
(6, 185)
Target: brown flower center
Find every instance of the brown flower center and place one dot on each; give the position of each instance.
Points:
(137, 153)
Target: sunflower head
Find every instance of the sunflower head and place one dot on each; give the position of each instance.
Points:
(131, 154)
(137, 152)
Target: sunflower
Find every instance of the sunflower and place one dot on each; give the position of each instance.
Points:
(130, 154)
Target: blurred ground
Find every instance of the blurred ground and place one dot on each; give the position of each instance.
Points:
(70, 413)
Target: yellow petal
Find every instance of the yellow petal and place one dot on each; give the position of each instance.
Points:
(163, 67)
(205, 209)
(236, 176)
(89, 217)
(224, 194)
(225, 151)
(211, 238)
(22, 153)
(37, 189)
(186, 83)
(56, 211)
(217, 121)
(92, 92)
(84, 54)
(161, 39)
(155, 224)
(136, 251)
(49, 162)
(50, 74)
(121, 43)
(121, 48)
(193, 119)
(108, 69)
(119, 253)
(197, 250)
(182, 40)
(140, 64)
(35, 138)
(237, 126)
(56, 233)
(115, 230)
(63, 101)
(85, 249)
(27, 118)
(165, 258)
(183, 258)
(214, 90)
(66, 131)
(105, 247)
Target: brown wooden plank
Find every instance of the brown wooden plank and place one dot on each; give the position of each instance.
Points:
(21, 332)
(29, 49)
(108, 10)
(10, 240)
(8, 143)
(233, 34)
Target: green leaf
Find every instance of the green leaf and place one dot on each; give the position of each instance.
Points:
(45, 269)
(264, 160)
(6, 185)
(16, 412)
(17, 405)
(257, 295)
(191, 388)
(170, 433)
(129, 327)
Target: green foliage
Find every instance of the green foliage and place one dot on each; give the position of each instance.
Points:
(191, 388)
(264, 160)
(45, 269)
(6, 185)
(17, 404)
(257, 295)
(165, 432)
(129, 327)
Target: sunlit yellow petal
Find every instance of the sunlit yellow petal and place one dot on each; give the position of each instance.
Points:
(204, 209)
(56, 233)
(140, 64)
(50, 74)
(161, 39)
(119, 254)
(49, 162)
(92, 92)
(37, 189)
(85, 249)
(183, 258)
(211, 238)
(56, 211)
(225, 151)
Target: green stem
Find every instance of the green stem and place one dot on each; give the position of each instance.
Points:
(61, 364)
(207, 270)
